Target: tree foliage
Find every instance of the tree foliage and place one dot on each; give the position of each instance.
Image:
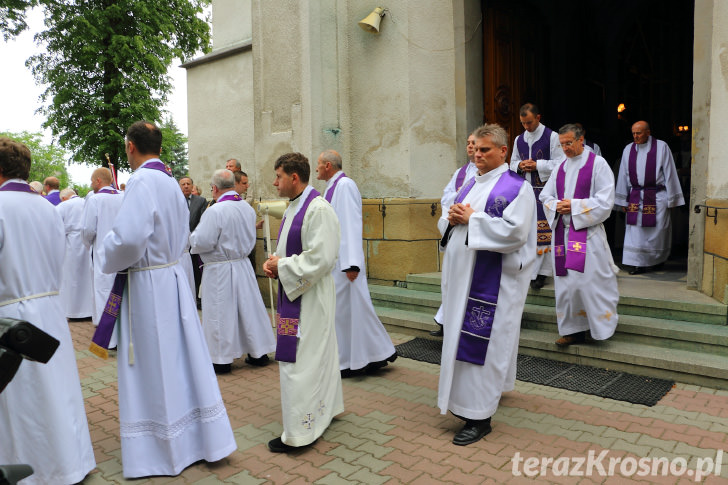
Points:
(45, 160)
(12, 16)
(174, 148)
(106, 64)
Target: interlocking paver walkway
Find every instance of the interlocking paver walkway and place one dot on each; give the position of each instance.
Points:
(391, 432)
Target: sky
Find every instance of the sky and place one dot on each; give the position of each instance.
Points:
(21, 94)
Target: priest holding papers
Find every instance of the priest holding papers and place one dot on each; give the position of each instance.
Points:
(577, 198)
(489, 236)
(308, 246)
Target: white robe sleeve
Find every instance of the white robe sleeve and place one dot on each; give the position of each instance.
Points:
(675, 196)
(348, 205)
(597, 208)
(515, 156)
(508, 233)
(320, 242)
(127, 241)
(88, 230)
(449, 193)
(545, 167)
(206, 235)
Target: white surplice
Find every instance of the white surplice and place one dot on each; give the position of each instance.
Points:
(449, 192)
(98, 219)
(648, 246)
(77, 274)
(544, 168)
(170, 408)
(234, 317)
(588, 300)
(469, 390)
(42, 416)
(311, 392)
(360, 334)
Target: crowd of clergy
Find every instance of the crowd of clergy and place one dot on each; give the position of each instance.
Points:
(141, 262)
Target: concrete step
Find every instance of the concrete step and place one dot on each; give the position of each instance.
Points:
(406, 321)
(404, 298)
(680, 365)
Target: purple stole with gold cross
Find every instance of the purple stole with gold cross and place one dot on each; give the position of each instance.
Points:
(649, 189)
(485, 283)
(574, 257)
(102, 335)
(329, 194)
(540, 150)
(289, 312)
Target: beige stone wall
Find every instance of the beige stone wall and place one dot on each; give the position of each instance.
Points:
(715, 255)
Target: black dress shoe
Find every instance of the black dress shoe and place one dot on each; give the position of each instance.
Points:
(538, 283)
(259, 362)
(277, 445)
(348, 373)
(638, 270)
(392, 357)
(223, 368)
(474, 430)
(438, 332)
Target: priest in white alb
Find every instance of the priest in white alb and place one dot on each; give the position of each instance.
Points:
(77, 275)
(647, 188)
(577, 199)
(170, 407)
(42, 416)
(489, 236)
(308, 245)
(363, 342)
(234, 317)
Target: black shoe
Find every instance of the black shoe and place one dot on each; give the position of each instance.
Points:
(538, 283)
(277, 445)
(372, 367)
(223, 368)
(638, 270)
(348, 373)
(259, 362)
(392, 357)
(474, 430)
(438, 332)
(574, 338)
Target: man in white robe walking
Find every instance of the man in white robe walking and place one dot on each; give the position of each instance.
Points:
(42, 416)
(98, 218)
(647, 187)
(577, 199)
(170, 408)
(536, 152)
(77, 276)
(308, 245)
(363, 342)
(234, 317)
(489, 235)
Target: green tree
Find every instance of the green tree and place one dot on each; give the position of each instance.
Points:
(106, 65)
(12, 16)
(45, 160)
(174, 148)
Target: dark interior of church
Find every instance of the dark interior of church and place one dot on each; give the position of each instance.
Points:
(603, 63)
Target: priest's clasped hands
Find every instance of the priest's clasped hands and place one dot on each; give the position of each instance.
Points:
(563, 206)
(459, 214)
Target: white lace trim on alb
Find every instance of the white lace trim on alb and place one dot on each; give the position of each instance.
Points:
(174, 430)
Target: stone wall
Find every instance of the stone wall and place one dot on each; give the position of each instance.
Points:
(715, 250)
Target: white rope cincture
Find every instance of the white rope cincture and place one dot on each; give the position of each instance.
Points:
(29, 297)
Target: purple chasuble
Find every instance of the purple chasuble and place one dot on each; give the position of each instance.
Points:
(485, 283)
(289, 312)
(329, 194)
(540, 150)
(649, 201)
(102, 335)
(574, 257)
(18, 187)
(461, 176)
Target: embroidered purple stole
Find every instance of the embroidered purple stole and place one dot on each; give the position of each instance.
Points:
(540, 150)
(18, 187)
(107, 190)
(460, 178)
(649, 189)
(235, 197)
(574, 257)
(485, 283)
(102, 335)
(289, 312)
(329, 194)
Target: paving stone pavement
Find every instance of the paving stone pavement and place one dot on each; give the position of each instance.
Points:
(391, 432)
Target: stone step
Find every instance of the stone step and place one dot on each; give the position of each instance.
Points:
(404, 298)
(405, 321)
(692, 367)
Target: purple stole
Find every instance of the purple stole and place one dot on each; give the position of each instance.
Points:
(107, 190)
(329, 194)
(649, 202)
(18, 187)
(235, 197)
(461, 176)
(289, 312)
(574, 257)
(54, 198)
(541, 150)
(485, 283)
(102, 335)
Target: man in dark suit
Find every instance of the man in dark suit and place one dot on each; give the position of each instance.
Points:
(197, 206)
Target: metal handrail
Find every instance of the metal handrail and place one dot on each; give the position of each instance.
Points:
(714, 215)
